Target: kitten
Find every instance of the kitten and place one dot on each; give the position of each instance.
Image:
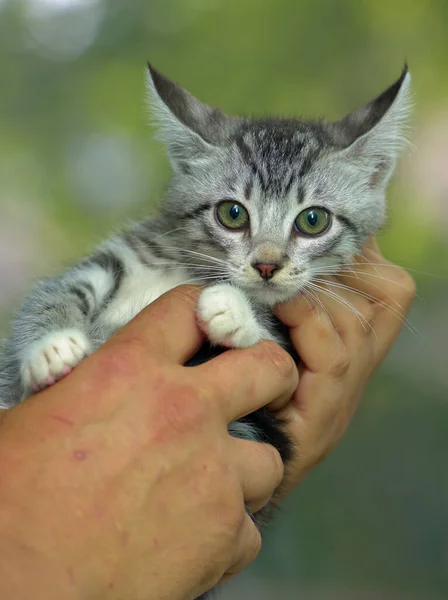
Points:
(256, 208)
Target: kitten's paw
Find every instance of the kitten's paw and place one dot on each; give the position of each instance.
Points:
(226, 317)
(52, 357)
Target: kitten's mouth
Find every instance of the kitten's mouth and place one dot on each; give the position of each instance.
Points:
(268, 292)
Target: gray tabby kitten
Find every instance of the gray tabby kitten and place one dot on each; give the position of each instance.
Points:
(256, 209)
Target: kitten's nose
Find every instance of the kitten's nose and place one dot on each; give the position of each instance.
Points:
(266, 270)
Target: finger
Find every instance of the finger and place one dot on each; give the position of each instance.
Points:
(351, 312)
(264, 374)
(247, 547)
(168, 325)
(260, 469)
(390, 287)
(313, 335)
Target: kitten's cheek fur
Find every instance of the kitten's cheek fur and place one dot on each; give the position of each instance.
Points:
(226, 317)
(51, 358)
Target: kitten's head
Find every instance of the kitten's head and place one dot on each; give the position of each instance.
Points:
(277, 199)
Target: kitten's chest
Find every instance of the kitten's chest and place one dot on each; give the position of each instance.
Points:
(140, 287)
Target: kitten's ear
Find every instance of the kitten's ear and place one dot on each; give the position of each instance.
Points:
(374, 134)
(189, 127)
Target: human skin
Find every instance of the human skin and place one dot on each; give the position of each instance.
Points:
(122, 482)
(339, 352)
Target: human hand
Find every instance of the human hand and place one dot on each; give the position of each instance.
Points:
(339, 351)
(121, 481)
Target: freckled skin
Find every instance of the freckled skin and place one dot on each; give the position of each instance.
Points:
(79, 455)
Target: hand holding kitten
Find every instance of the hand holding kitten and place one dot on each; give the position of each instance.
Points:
(340, 351)
(83, 473)
(122, 480)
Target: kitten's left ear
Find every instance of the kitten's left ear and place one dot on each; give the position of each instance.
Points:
(374, 135)
(189, 127)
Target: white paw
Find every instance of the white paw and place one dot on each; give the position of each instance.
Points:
(226, 317)
(52, 357)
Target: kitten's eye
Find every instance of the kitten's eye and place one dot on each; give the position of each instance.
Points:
(312, 221)
(232, 215)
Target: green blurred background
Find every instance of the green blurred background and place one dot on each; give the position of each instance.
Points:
(77, 160)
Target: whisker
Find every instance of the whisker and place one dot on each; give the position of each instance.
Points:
(352, 274)
(198, 279)
(359, 292)
(183, 265)
(369, 264)
(323, 307)
(203, 256)
(345, 303)
(381, 303)
(306, 296)
(168, 233)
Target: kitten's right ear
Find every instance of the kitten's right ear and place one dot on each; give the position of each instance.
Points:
(189, 127)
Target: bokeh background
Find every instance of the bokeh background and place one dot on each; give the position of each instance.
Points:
(77, 160)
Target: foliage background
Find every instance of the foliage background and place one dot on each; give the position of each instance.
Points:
(77, 159)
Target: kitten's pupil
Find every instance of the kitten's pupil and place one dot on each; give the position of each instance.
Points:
(312, 218)
(234, 212)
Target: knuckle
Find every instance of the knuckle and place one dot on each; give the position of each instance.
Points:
(368, 313)
(122, 359)
(277, 467)
(321, 327)
(341, 363)
(255, 545)
(183, 410)
(278, 358)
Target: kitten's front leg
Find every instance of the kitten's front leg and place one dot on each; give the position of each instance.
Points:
(52, 357)
(50, 332)
(228, 319)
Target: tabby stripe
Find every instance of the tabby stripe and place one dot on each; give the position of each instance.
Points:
(300, 194)
(349, 224)
(289, 184)
(247, 156)
(136, 240)
(328, 247)
(84, 303)
(134, 244)
(248, 187)
(112, 264)
(197, 212)
(306, 165)
(264, 184)
(89, 287)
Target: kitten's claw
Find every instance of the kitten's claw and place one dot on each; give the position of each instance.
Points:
(52, 357)
(226, 317)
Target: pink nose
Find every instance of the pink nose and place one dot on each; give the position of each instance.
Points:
(266, 271)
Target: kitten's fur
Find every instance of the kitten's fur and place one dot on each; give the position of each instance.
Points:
(275, 168)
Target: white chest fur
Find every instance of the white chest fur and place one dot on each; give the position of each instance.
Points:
(140, 286)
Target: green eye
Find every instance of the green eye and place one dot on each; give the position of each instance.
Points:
(232, 215)
(312, 221)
